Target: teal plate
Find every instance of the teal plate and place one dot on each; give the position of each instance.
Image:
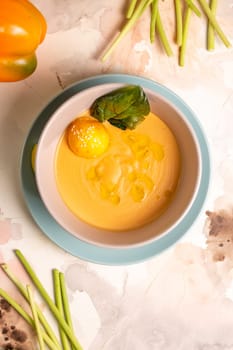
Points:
(70, 243)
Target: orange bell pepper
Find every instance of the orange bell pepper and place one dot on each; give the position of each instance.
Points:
(22, 29)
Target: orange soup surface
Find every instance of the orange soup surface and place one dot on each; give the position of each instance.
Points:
(130, 184)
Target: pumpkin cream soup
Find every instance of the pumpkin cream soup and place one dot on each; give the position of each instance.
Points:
(128, 185)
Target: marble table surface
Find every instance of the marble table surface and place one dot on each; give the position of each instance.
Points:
(183, 298)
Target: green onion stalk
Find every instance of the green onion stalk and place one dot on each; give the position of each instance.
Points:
(179, 22)
(212, 20)
(210, 28)
(24, 293)
(183, 47)
(143, 5)
(28, 319)
(55, 311)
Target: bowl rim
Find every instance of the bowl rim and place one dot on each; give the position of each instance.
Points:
(111, 256)
(65, 224)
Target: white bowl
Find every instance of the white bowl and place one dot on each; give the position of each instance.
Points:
(173, 115)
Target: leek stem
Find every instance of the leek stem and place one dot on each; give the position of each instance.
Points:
(187, 17)
(214, 22)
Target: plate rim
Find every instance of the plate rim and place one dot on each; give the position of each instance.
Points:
(88, 251)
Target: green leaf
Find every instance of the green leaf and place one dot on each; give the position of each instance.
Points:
(124, 108)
